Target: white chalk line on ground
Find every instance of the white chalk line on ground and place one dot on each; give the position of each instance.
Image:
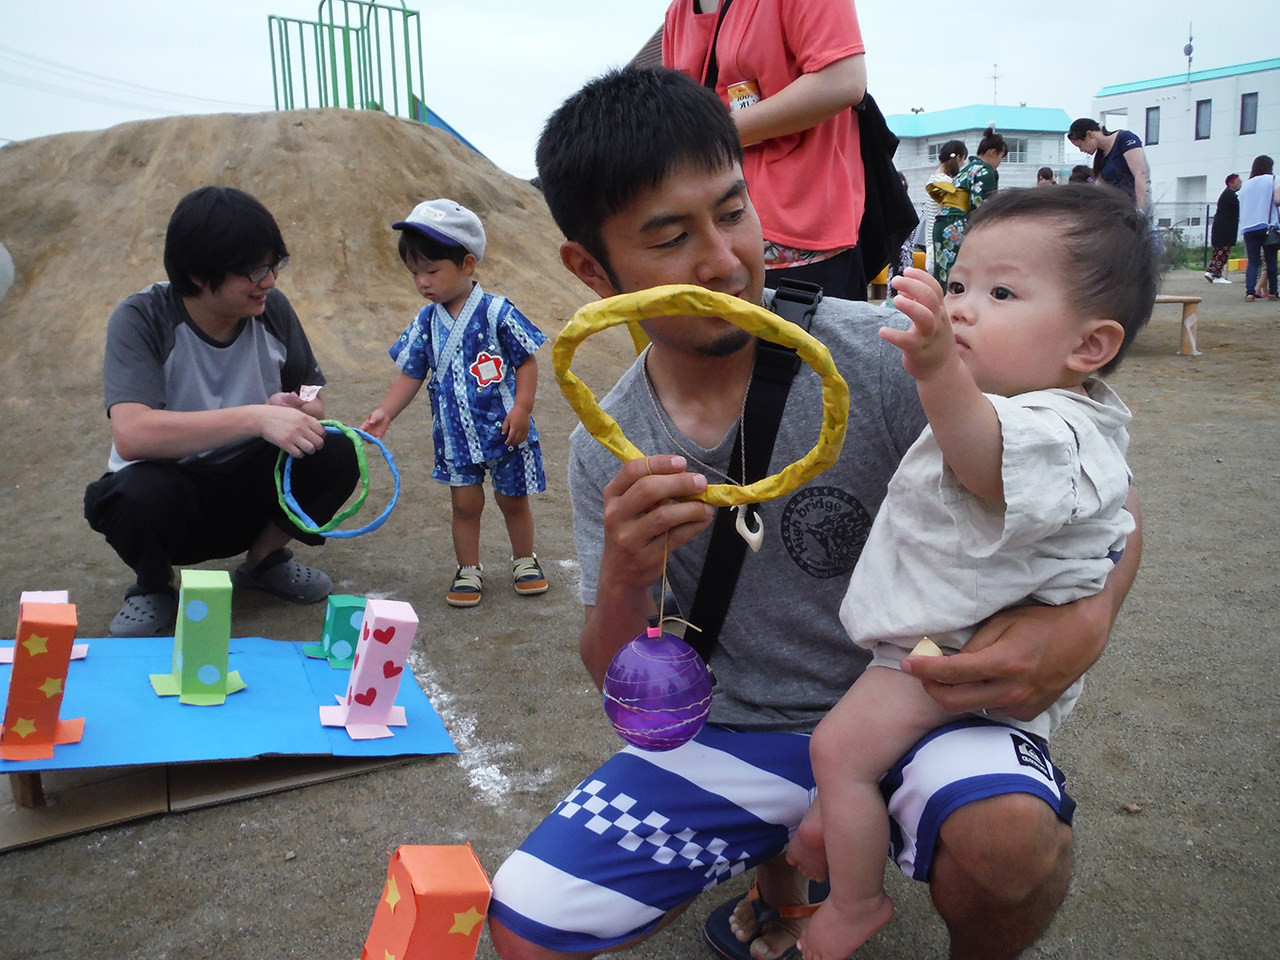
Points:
(479, 760)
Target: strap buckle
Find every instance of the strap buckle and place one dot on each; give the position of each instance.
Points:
(795, 301)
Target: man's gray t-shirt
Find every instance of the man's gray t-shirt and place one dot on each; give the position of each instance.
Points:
(782, 658)
(157, 357)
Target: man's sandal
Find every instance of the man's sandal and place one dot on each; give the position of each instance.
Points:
(282, 576)
(720, 937)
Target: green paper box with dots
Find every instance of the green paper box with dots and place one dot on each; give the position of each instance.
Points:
(201, 642)
(342, 618)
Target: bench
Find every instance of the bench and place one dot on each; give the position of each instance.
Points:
(1187, 343)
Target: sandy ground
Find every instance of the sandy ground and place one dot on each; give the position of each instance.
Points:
(1172, 754)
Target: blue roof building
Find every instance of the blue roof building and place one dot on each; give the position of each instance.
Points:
(1036, 137)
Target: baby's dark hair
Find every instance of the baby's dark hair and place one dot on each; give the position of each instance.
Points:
(992, 141)
(1109, 262)
(414, 245)
(623, 133)
(214, 231)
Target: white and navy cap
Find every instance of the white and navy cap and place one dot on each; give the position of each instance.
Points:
(446, 221)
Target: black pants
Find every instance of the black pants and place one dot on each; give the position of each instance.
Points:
(158, 513)
(840, 276)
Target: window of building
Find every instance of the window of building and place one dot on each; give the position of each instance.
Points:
(1017, 150)
(1204, 114)
(1248, 113)
(1153, 126)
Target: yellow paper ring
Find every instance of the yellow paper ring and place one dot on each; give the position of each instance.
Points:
(681, 300)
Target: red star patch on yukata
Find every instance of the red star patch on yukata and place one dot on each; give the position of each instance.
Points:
(486, 369)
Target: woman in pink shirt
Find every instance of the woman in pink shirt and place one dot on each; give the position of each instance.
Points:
(790, 70)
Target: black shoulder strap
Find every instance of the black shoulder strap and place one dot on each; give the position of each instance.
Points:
(712, 73)
(775, 368)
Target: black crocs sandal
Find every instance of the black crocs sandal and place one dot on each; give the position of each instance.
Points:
(146, 614)
(282, 576)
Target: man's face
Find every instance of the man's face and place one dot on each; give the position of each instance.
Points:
(1236, 184)
(695, 227)
(239, 295)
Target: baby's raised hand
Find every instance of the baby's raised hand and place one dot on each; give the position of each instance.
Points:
(928, 343)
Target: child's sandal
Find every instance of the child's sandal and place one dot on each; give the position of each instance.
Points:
(467, 584)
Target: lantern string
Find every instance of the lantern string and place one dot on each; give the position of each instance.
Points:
(662, 618)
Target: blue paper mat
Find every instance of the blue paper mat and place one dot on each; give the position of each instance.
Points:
(126, 723)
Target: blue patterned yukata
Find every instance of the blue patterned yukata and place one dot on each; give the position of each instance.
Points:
(470, 368)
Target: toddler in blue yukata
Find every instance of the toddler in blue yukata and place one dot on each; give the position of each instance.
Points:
(475, 352)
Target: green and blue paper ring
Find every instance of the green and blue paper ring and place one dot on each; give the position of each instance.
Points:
(284, 487)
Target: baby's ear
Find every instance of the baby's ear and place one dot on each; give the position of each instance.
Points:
(469, 263)
(1100, 341)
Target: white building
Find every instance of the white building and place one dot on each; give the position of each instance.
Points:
(1197, 128)
(1036, 137)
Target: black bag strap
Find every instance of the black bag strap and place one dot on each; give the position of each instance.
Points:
(775, 368)
(712, 73)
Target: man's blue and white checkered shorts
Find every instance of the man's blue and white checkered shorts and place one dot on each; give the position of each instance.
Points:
(647, 832)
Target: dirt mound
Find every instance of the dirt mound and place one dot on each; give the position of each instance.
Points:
(84, 215)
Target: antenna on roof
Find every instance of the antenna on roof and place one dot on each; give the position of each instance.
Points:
(994, 77)
(1186, 52)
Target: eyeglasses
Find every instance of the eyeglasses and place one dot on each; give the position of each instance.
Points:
(258, 274)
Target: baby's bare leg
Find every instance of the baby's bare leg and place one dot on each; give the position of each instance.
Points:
(873, 725)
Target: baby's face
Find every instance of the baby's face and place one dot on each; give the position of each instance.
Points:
(1015, 325)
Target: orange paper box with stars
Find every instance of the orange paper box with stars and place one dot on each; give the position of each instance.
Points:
(42, 653)
(432, 906)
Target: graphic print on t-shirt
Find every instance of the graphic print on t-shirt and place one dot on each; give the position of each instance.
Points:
(824, 529)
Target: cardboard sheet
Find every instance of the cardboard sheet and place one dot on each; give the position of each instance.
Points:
(143, 755)
(76, 801)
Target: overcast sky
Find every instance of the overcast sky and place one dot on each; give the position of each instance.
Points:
(494, 69)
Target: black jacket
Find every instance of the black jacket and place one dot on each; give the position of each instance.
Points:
(1226, 221)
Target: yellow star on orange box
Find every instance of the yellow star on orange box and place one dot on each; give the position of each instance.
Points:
(51, 687)
(393, 894)
(464, 923)
(24, 727)
(36, 644)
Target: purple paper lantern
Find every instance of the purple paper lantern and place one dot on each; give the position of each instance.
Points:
(657, 691)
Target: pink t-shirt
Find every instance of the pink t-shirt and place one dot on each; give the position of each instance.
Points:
(807, 187)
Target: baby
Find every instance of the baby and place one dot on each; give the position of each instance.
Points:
(1015, 493)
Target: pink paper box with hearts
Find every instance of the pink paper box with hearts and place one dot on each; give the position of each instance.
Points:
(368, 710)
